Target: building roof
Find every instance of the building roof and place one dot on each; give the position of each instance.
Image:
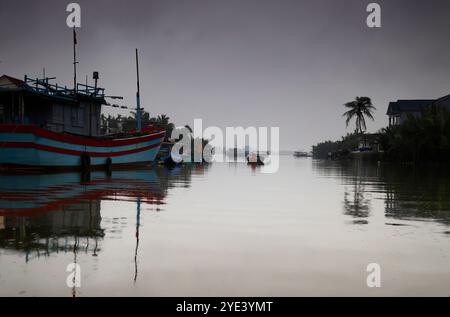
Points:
(401, 106)
(443, 101)
(8, 81)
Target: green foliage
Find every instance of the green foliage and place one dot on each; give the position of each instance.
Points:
(340, 148)
(163, 122)
(419, 139)
(116, 124)
(119, 124)
(358, 109)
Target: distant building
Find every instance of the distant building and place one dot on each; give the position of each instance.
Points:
(399, 110)
(56, 108)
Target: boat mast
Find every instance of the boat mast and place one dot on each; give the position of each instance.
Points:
(138, 97)
(74, 61)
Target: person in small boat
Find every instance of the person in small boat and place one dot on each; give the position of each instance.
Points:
(254, 159)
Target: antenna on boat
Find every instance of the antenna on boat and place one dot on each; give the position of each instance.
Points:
(138, 97)
(74, 60)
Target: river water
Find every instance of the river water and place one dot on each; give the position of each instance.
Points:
(227, 229)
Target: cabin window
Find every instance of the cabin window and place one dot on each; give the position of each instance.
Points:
(78, 116)
(58, 113)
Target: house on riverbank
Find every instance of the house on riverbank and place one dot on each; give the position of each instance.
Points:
(398, 111)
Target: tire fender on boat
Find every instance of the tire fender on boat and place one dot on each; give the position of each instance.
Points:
(85, 161)
(108, 165)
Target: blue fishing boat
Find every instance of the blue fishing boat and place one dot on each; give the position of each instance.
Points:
(45, 126)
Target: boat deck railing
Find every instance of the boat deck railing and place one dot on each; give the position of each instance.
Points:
(43, 86)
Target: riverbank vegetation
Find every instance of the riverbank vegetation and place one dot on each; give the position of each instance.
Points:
(421, 139)
(359, 109)
(340, 148)
(119, 124)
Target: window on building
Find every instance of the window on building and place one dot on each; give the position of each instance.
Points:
(78, 116)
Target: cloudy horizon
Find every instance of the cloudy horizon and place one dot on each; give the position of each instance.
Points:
(291, 64)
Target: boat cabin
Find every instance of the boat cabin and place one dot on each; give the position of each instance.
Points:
(53, 107)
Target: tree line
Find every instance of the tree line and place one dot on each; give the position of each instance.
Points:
(418, 140)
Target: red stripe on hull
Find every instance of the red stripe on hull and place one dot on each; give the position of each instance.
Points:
(31, 145)
(78, 140)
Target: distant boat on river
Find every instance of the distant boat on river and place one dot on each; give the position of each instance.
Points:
(301, 154)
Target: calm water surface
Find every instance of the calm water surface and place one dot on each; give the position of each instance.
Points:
(228, 230)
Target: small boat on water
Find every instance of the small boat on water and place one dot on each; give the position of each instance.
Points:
(255, 159)
(301, 154)
(45, 126)
(166, 157)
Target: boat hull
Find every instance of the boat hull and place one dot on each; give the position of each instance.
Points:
(24, 146)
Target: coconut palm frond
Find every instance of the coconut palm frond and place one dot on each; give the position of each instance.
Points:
(360, 108)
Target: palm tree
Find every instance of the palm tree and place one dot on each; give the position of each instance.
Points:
(163, 121)
(360, 108)
(189, 129)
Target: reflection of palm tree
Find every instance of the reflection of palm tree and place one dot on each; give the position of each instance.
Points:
(359, 206)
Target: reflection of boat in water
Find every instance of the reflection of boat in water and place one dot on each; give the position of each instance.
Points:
(41, 214)
(59, 231)
(44, 214)
(31, 194)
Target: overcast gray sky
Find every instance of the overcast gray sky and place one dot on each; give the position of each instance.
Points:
(286, 63)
